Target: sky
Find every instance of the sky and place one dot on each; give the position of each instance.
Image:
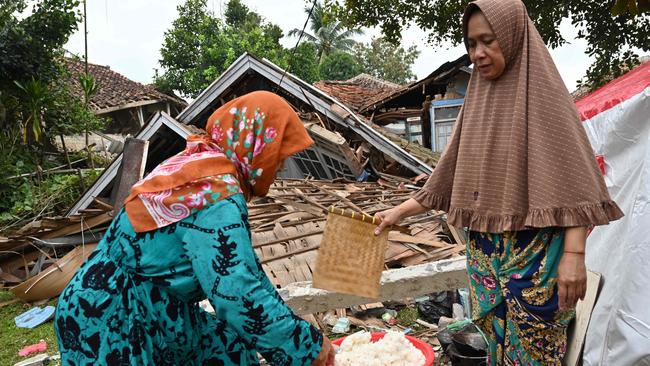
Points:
(127, 35)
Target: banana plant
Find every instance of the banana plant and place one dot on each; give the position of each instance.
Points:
(89, 87)
(36, 96)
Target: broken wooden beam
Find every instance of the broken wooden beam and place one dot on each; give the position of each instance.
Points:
(131, 170)
(396, 284)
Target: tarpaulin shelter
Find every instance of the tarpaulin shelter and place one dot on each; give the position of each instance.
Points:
(617, 120)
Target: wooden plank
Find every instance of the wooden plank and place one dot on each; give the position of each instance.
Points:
(127, 106)
(286, 239)
(290, 254)
(395, 236)
(131, 170)
(578, 328)
(77, 227)
(457, 235)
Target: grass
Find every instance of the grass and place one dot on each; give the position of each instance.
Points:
(13, 339)
(408, 316)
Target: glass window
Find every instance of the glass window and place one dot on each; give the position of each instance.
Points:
(443, 133)
(442, 113)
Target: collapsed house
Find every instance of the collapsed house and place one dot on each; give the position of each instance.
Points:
(125, 103)
(425, 110)
(288, 224)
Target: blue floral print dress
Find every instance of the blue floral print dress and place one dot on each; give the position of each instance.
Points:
(513, 278)
(134, 302)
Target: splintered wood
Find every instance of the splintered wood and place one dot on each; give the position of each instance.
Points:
(288, 225)
(38, 245)
(287, 228)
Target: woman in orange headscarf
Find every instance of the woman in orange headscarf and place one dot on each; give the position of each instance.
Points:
(520, 174)
(183, 236)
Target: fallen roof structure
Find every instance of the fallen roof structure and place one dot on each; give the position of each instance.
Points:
(248, 73)
(413, 95)
(288, 224)
(357, 91)
(287, 227)
(332, 125)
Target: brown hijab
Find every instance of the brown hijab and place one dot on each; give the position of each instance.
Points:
(518, 157)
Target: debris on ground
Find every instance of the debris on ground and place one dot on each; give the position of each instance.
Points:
(33, 348)
(34, 317)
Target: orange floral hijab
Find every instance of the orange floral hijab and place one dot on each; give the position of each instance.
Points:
(246, 141)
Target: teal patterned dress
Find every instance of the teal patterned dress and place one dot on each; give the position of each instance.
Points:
(134, 302)
(513, 278)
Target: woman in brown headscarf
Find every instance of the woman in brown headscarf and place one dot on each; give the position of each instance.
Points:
(520, 174)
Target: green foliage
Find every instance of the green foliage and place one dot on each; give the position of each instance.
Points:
(89, 87)
(387, 61)
(339, 66)
(610, 37)
(239, 17)
(28, 45)
(29, 198)
(199, 46)
(36, 106)
(328, 35)
(67, 115)
(35, 97)
(303, 62)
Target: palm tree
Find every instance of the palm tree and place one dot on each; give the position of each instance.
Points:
(327, 35)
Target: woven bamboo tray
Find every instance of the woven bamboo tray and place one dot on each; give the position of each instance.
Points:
(350, 258)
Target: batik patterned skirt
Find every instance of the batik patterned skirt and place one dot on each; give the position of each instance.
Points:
(513, 279)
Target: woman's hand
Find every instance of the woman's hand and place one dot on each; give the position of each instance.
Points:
(326, 355)
(394, 215)
(388, 218)
(572, 272)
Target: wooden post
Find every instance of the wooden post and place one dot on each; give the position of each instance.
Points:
(140, 116)
(134, 160)
(65, 151)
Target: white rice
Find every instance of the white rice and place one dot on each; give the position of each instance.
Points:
(392, 350)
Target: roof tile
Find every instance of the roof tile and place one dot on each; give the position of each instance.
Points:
(115, 89)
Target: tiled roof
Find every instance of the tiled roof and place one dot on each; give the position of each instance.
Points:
(357, 91)
(115, 90)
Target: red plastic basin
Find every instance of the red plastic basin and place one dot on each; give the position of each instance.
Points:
(427, 351)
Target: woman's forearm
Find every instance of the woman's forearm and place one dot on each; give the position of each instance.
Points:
(574, 239)
(410, 207)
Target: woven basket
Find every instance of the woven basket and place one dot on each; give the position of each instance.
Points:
(350, 258)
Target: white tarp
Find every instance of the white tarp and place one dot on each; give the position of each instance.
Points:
(619, 331)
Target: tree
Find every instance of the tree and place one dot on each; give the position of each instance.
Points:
(29, 45)
(327, 35)
(339, 66)
(387, 61)
(239, 17)
(609, 36)
(199, 46)
(303, 62)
